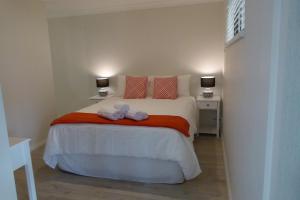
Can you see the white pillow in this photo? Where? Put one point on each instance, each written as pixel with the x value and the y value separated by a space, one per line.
pixel 183 85
pixel 121 83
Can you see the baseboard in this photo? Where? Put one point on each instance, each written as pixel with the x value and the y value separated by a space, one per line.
pixel 227 171
pixel 36 145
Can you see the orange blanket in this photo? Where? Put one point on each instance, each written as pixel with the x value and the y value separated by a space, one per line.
pixel 175 122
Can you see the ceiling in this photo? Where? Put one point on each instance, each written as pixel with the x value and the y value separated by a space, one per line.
pixel 64 8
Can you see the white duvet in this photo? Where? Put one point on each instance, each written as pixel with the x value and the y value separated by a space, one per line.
pixel 140 142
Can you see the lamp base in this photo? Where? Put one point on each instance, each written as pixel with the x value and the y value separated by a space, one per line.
pixel 102 93
pixel 208 94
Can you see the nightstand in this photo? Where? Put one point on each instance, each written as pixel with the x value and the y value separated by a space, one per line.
pixel 213 104
pixel 98 98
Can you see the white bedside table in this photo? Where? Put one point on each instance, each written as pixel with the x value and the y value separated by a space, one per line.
pixel 98 98
pixel 212 103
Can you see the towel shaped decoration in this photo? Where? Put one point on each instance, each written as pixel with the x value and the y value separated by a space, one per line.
pixel 111 113
pixel 136 115
pixel 122 110
pixel 122 107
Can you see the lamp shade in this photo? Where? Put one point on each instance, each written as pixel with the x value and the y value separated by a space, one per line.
pixel 208 81
pixel 102 82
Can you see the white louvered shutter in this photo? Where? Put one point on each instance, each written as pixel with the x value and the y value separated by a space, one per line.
pixel 235 19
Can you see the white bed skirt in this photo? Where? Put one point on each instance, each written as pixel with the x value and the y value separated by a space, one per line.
pixel 122 168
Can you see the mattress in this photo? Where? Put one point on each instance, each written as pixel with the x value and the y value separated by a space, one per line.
pixel 117 141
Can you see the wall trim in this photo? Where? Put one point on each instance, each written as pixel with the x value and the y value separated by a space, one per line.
pixel 120 7
pixel 228 181
pixel 36 145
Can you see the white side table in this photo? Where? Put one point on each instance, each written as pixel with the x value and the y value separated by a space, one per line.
pixel 20 156
pixel 210 103
pixel 98 98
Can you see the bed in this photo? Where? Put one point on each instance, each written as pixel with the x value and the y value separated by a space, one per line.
pixel 133 153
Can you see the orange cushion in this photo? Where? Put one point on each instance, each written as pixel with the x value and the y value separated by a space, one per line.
pixel 165 88
pixel 136 87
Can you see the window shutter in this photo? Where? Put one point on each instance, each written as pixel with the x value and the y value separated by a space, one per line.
pixel 235 19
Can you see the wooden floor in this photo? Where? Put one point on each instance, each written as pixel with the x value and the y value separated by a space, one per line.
pixel 55 184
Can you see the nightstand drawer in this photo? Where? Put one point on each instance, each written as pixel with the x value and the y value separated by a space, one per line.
pixel 207 105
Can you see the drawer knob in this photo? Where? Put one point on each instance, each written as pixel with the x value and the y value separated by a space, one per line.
pixel 207 105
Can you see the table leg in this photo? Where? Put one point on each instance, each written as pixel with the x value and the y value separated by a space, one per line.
pixel 29 174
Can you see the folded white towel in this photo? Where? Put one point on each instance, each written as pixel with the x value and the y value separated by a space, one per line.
pixel 122 107
pixel 136 115
pixel 120 110
pixel 112 116
pixel 111 113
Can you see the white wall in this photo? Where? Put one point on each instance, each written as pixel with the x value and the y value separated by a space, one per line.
pixel 246 92
pixel 177 40
pixel 25 68
pixel 285 176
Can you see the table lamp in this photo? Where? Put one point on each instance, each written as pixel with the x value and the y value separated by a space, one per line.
pixel 102 84
pixel 208 82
